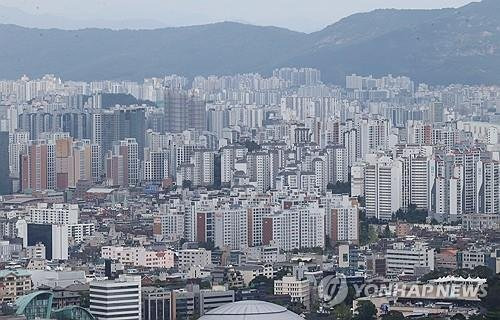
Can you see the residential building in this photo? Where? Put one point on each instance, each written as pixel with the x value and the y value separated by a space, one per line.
pixel 14 284
pixel 298 290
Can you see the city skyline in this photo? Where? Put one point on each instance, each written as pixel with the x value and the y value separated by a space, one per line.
pixel 231 171
pixel 203 187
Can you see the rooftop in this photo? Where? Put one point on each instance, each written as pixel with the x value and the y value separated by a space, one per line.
pixel 250 310
pixel 17 272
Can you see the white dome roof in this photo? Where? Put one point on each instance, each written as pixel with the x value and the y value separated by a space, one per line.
pixel 250 310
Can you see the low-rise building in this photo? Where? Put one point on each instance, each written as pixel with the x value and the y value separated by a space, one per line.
pixel 184 304
pixel 14 284
pixel 156 303
pixel 481 221
pixel 78 232
pixel 56 278
pixel 446 258
pixel 8 250
pixel 197 257
pixel 471 258
pixel 139 256
pixel 251 271
pixel 298 290
pixel 405 257
pixel 211 299
pixel 36 252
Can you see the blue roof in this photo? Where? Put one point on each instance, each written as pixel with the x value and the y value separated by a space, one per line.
pixel 23 302
pixel 17 272
pixel 71 313
pixel 23 305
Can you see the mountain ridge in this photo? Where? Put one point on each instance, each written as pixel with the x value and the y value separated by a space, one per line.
pixel 10 15
pixel 435 46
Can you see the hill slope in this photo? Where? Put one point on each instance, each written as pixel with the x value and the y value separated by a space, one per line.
pixel 461 45
pixel 126 54
pixel 435 46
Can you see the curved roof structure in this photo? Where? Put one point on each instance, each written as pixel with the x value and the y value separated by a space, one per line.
pixel 250 310
pixel 35 305
pixel 38 305
pixel 72 312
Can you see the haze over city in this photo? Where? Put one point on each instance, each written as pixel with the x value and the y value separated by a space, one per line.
pixel 299 15
pixel 249 160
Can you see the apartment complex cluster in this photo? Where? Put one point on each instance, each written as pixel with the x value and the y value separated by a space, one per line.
pixel 168 198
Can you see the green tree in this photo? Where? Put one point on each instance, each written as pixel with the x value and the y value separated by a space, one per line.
pixel 342 312
pixel 372 234
pixel 365 310
pixel 361 201
pixel 187 184
pixel 481 272
pixel 458 316
pixel 367 234
pixel 205 285
pixel 351 295
pixel 252 146
pixel 263 284
pixel 209 245
pixel 340 187
pixel 477 317
pixel 490 301
pixel 433 275
pixel 328 244
pixel 393 315
pixel 386 234
pixel 280 274
pixel 85 299
pixel 412 214
pixel 297 307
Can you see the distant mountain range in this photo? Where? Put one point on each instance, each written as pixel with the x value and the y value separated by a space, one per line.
pixel 434 46
pixel 19 17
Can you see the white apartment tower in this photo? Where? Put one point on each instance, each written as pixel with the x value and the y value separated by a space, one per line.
pixel 419 174
pixel 343 220
pixel 132 160
pixel 231 228
pixel 295 228
pixel 358 180
pixel 55 214
pixel 228 159
pixel 320 174
pixel 229 156
pixel 373 135
pixel 203 161
pixel 259 167
pixel 459 181
pixel 490 202
pixel 337 164
pixel 155 165
pixel 383 188
pixel 312 226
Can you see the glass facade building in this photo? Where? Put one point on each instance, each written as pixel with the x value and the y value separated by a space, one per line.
pixel 38 305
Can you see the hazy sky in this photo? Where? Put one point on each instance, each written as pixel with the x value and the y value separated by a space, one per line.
pixel 303 15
